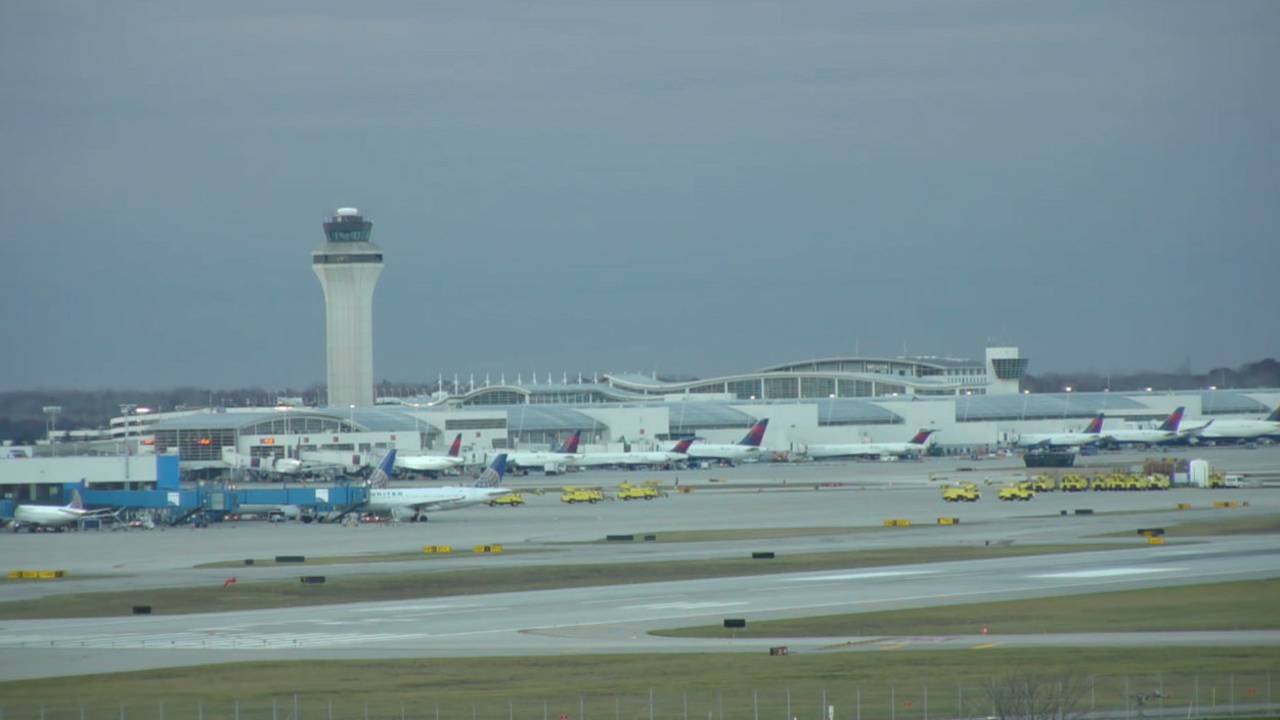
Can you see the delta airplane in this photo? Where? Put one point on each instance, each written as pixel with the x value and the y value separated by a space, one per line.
pixel 915 446
pixel 1167 432
pixel 56 516
pixel 432 464
pixel 1092 434
pixel 413 503
pixel 1226 430
pixel 552 462
pixel 748 448
pixel 679 453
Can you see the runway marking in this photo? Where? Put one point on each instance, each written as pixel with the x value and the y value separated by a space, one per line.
pixel 858 576
pixel 1108 572
pixel 984 646
pixel 893 646
pixel 413 607
pixel 634 599
pixel 682 605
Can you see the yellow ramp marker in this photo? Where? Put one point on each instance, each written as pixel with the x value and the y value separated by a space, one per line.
pixel 984 646
pixel 893 646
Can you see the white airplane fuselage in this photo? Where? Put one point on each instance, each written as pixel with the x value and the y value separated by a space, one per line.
pixel 551 462
pixel 1227 429
pixel 1032 440
pixel 48 515
pixel 420 499
pixel 427 463
pixel 657 457
pixel 710 451
pixel 864 450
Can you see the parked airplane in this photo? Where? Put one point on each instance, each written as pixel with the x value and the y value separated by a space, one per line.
pixel 1092 434
pixel 56 516
pixel 293 464
pixel 650 458
pixel 1166 433
pixel 552 462
pixel 1229 430
pixel 915 446
pixel 433 464
pixel 748 448
pixel 413 503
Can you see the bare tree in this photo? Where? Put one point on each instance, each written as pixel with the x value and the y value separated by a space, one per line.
pixel 1032 696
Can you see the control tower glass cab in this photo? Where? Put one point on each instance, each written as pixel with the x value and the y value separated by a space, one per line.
pixel 348 266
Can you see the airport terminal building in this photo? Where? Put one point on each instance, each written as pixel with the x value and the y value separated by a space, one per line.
pixel 971 406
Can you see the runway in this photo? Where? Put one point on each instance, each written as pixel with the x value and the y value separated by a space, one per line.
pixel 616 619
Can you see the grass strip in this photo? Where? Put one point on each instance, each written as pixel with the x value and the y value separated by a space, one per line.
pixel 1248 525
pixel 356 559
pixel 1252 606
pixel 608 686
pixel 441 583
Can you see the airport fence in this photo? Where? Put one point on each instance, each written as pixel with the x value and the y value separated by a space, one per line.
pixel 1130 697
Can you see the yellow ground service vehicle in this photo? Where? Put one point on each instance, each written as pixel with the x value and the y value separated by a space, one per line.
pixel 573 495
pixel 1014 492
pixel 627 491
pixel 960 494
pixel 1073 483
pixel 1156 481
pixel 512 500
pixel 1044 483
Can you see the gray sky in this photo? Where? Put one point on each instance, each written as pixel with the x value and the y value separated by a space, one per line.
pixel 693 187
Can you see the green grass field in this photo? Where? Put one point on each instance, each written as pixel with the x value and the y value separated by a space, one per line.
pixel 357 559
pixel 246 595
pixel 941 684
pixel 1247 525
pixel 1250 605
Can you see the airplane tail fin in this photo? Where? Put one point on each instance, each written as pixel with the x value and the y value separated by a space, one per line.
pixel 381 476
pixel 682 447
pixel 492 476
pixel 456 447
pixel 570 446
pixel 1275 415
pixel 1174 420
pixel 921 437
pixel 77 503
pixel 1095 427
pixel 756 435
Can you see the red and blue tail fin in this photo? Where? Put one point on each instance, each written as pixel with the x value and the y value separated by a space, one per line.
pixel 1174 420
pixel 682 447
pixel 756 435
pixel 921 437
pixel 492 476
pixel 456 447
pixel 1095 427
pixel 381 476
pixel 570 446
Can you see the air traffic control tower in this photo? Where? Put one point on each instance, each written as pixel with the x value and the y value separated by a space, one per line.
pixel 348 266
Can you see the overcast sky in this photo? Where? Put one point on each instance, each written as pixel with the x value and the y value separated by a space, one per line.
pixel 696 188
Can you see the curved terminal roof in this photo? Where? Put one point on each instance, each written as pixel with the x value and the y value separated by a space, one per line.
pixel 535 418
pixel 1222 402
pixel 242 421
pixel 825 364
pixel 971 408
pixel 687 416
pixel 607 393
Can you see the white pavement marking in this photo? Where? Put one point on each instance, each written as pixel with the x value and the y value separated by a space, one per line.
pixel 857 576
pixel 682 605
pixel 1109 572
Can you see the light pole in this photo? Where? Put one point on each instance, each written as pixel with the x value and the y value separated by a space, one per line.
pixel 125 410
